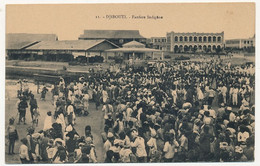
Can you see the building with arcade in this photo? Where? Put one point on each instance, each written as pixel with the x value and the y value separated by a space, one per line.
pixel 194 42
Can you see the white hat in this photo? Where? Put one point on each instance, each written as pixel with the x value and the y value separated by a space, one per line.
pixel 153 133
pixel 223 145
pixel 36 135
pixel 134 133
pixel 110 135
pixel 68 128
pixel 117 141
pixel 229 108
pixel 152 103
pixel 88 139
pixel 238 149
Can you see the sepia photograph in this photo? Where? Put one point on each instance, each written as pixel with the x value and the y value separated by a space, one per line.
pixel 130 83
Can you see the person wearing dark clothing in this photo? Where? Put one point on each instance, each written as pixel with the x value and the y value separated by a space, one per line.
pixel 43 93
pixel 88 132
pixel 12 136
pixel 33 105
pixel 85 158
pixel 71 142
pixel 110 156
pixel 71 145
pixel 205 140
pixel 22 110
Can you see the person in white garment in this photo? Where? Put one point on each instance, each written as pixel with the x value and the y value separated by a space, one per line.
pixel 47 122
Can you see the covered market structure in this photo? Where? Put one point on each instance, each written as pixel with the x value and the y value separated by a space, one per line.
pixel 135 51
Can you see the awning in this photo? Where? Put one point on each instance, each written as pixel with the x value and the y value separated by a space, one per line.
pixel 77 54
pixel 133 50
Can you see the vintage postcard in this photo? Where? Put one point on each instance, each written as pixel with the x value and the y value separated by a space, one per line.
pixel 130 83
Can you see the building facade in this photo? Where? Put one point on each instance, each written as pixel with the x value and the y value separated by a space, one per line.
pixel 63 51
pixel 240 43
pixel 157 43
pixel 194 42
pixel 118 37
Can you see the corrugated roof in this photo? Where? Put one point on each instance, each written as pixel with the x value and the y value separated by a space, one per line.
pixel 21 40
pixel 66 45
pixel 111 34
pixel 134 44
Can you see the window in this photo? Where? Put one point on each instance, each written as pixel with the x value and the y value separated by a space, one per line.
pixel 190 38
pixel 155 40
pixel 219 39
pixel 195 38
pixel 181 38
pixel 204 39
pixel 168 39
pixel 214 38
pixel 244 42
pixel 176 38
pixel 247 42
pixel 209 39
pixel 200 39
pixel 185 38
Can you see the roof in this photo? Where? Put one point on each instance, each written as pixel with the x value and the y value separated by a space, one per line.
pixel 67 45
pixel 133 50
pixel 134 44
pixel 22 40
pixel 111 34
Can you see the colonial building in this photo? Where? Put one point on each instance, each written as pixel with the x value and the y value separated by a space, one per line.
pixel 194 42
pixel 118 37
pixel 240 43
pixel 157 43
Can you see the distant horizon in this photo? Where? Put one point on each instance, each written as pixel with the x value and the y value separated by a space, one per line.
pixel 129 30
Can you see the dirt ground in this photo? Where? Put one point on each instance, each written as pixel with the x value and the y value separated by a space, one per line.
pixel 94 119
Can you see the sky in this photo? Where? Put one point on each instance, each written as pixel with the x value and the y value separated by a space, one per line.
pixel 237 20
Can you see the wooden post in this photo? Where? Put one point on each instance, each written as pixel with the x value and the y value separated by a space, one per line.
pixel 162 55
pixel 85 56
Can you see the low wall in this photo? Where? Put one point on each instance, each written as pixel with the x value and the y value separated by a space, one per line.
pixel 41 74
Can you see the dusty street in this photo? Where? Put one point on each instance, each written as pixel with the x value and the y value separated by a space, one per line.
pixel 94 119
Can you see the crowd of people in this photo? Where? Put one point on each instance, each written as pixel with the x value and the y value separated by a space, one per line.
pixel 167 112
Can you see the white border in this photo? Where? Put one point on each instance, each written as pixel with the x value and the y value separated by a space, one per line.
pixel 2 67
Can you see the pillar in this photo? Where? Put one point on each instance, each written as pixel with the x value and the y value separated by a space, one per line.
pixel 162 55
pixel 86 56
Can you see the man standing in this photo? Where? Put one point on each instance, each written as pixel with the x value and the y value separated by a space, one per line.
pixel 224 94
pixel 139 144
pixel 234 96
pixel 22 105
pixel 211 94
pixel 43 93
pixel 33 105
